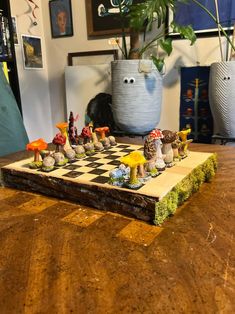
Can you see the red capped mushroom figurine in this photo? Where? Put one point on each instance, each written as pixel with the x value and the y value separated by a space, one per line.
pixel 86 134
pixel 59 140
pixel 157 135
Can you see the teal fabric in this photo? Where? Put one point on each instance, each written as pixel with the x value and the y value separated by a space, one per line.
pixel 13 136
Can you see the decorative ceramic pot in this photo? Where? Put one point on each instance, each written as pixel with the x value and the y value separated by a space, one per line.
pixel 222 97
pixel 136 95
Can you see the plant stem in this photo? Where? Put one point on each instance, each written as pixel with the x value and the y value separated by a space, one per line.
pixel 149 44
pixel 219 32
pixel 124 50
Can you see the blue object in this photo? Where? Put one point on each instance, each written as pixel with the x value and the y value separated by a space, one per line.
pixel 191 13
pixel 13 136
pixel 195 112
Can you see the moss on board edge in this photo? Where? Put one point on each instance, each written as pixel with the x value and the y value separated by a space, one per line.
pixel 183 190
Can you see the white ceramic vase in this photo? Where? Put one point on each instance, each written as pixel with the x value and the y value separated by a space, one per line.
pixel 222 97
pixel 136 95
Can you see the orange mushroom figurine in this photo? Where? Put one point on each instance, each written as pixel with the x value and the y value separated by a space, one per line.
pixel 36 147
pixel 102 131
pixel 63 130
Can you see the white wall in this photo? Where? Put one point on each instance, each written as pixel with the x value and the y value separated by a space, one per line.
pixel 57 51
pixel 43 92
pixel 204 52
pixel 33 83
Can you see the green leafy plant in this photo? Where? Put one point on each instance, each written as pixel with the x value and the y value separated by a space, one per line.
pixel 139 18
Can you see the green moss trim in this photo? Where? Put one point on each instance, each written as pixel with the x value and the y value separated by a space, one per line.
pixel 183 190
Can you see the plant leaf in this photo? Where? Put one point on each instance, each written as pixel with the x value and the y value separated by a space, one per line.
pixel 144 13
pixel 166 45
pixel 186 32
pixel 158 62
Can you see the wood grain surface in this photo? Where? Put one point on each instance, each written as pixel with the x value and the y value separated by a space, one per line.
pixel 61 257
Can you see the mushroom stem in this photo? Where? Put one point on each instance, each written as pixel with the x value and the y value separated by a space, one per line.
pixel 64 133
pixel 133 173
pixel 102 134
pixel 94 137
pixel 168 152
pixel 36 155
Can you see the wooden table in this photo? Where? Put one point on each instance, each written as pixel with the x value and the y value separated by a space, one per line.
pixel 60 257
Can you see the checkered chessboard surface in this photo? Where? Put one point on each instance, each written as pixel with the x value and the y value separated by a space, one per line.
pixel 95 168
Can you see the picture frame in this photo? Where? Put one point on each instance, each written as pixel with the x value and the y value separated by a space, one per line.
pixel 101 16
pixel 32 52
pixel 104 54
pixel 203 25
pixel 15 30
pixel 61 18
pixel 88 73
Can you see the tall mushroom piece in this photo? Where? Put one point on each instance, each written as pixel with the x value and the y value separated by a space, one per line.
pixel 59 141
pixel 157 135
pixel 36 146
pixel 168 139
pixel 63 130
pixel 133 160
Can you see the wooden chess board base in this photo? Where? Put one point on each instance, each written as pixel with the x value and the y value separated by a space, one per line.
pixel 142 204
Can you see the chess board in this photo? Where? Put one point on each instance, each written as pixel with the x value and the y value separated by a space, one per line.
pixel 87 181
pixel 90 169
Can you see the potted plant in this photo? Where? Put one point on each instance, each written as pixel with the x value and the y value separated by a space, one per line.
pixel 221 84
pixel 137 82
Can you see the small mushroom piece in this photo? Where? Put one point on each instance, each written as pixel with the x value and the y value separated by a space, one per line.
pixel 86 134
pixel 36 146
pixel 89 148
pixel 98 146
pixel 48 163
pixel 112 140
pixel 106 142
pixel 157 135
pixel 167 140
pixel 70 154
pixel 184 141
pixel 80 151
pixel 60 159
pixel 102 131
pixel 59 140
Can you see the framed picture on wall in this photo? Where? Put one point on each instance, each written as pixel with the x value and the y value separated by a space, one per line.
pixel 202 23
pixel 32 52
pixel 61 18
pixel 103 17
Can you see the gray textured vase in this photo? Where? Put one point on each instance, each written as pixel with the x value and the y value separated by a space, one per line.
pixel 136 95
pixel 222 97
